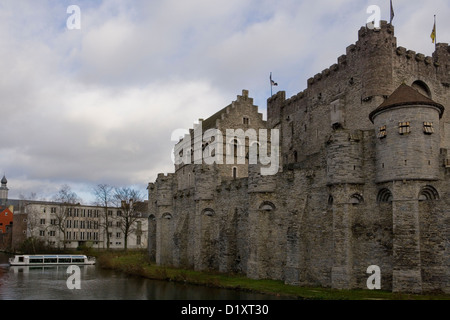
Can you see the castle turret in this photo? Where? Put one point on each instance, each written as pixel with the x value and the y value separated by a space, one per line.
pixel 407 127
pixel 377 47
pixel 4 191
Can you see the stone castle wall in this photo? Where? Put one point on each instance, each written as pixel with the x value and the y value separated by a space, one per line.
pixel 340 202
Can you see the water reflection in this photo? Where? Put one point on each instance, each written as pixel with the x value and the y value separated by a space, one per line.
pixel 50 283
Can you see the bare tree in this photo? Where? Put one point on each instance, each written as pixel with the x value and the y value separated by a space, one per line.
pixel 128 200
pixel 33 222
pixel 104 195
pixel 67 199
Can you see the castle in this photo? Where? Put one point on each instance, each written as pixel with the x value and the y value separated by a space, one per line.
pixel 363 179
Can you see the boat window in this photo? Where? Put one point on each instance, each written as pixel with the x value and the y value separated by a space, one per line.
pixel 65 260
pixel 78 260
pixel 20 259
pixel 36 260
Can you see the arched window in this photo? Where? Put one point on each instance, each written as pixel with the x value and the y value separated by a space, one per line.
pixel 235 147
pixel 253 152
pixel 267 206
pixel 208 212
pixel 422 88
pixel 330 201
pixel 234 173
pixel 428 193
pixel 384 196
pixel 356 199
pixel 167 216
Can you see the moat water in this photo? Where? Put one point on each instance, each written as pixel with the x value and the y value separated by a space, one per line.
pixel 51 283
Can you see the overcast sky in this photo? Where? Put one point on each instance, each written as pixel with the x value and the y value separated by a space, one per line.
pixel 99 104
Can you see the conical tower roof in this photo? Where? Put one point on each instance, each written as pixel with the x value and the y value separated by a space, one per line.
pixel 4 181
pixel 404 96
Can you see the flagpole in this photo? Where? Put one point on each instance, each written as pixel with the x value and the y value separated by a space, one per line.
pixel 271 85
pixel 435 34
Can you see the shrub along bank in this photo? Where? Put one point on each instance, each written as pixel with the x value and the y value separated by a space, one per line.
pixel 137 263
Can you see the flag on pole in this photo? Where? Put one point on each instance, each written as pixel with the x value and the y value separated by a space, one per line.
pixel 392 12
pixel 433 33
pixel 272 83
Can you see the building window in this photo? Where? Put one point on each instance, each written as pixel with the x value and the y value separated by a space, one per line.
pixel 234 172
pixel 382 132
pixel 428 128
pixel 267 206
pixel 53 210
pixel 42 221
pixel 246 120
pixel 428 193
pixel 356 199
pixel 384 196
pixel 118 235
pixel 138 240
pixel 404 128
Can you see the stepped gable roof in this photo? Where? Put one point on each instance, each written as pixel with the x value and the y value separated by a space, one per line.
pixel 403 96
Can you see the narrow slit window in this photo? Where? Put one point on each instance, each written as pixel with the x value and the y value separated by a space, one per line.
pixel 428 128
pixel 382 132
pixel 404 127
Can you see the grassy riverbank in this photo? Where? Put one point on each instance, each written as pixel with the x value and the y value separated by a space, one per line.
pixel 137 263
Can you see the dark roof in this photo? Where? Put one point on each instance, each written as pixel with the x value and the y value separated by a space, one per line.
pixel 403 96
pixel 210 123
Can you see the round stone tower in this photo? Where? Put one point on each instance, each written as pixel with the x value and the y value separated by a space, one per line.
pixel 407 155
pixel 407 128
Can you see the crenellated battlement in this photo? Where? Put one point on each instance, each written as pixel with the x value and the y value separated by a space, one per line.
pixel 353 56
pixel 296 98
pixel 366 38
pixel 410 55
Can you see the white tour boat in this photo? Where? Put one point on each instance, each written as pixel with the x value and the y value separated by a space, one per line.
pixel 40 260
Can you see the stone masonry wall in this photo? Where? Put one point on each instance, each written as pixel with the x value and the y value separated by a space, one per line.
pixel 333 210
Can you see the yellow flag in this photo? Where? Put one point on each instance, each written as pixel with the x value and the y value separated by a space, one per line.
pixel 433 33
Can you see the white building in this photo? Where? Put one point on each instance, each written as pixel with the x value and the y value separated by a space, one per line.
pixel 72 226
